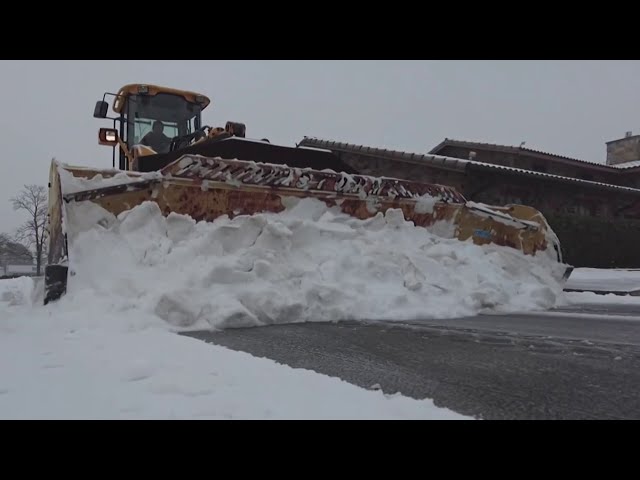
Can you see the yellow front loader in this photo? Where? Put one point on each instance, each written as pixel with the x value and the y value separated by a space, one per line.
pixel 165 155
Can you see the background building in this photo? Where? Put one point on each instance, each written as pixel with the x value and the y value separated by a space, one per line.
pixel 593 207
pixel 15 259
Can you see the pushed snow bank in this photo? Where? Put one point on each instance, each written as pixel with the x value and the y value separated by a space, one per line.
pixel 309 263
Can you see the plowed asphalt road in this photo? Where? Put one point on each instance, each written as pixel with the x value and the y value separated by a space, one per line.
pixel 577 363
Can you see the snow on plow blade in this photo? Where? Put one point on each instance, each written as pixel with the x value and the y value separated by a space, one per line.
pixel 207 188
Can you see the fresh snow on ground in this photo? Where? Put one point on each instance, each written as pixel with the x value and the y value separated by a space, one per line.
pixel 575 298
pixel 109 349
pixel 600 279
pixel 90 361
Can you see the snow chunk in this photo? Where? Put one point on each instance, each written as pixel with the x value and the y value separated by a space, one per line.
pixel 425 204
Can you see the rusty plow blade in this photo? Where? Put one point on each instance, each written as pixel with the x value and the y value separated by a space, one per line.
pixel 207 188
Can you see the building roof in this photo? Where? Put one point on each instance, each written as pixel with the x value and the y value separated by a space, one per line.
pixel 625 165
pixel 457 164
pixel 440 161
pixel 538 153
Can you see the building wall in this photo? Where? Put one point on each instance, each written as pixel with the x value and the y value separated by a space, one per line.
pixel 623 150
pixel 592 228
pixel 597 242
pixel 17 270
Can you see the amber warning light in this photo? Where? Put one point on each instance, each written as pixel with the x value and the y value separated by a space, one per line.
pixel 108 136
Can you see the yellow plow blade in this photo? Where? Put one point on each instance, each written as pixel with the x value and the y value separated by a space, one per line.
pixel 207 188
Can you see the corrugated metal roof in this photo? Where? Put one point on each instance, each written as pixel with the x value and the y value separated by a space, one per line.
pixel 623 166
pixel 440 161
pixel 513 149
pixel 531 173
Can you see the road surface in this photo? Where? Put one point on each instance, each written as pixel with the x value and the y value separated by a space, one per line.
pixel 572 364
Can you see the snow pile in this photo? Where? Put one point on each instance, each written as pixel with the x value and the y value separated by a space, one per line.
pixel 17 291
pixel 309 263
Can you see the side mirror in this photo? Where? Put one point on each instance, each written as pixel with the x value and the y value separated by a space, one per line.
pixel 108 136
pixel 101 109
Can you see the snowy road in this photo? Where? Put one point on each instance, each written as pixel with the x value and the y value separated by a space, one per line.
pixel 576 364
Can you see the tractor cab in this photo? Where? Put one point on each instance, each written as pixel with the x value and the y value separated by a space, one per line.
pixel 176 114
pixel 156 125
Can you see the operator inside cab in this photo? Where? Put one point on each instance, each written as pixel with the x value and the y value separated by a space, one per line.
pixel 156 138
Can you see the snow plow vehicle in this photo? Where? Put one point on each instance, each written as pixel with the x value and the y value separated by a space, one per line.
pixel 164 154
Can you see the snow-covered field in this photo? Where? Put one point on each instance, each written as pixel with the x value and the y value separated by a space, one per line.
pixel 108 349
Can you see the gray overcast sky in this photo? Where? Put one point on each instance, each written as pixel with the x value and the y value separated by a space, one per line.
pixel 565 107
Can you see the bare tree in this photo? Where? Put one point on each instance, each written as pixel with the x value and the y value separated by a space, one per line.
pixel 4 242
pixel 33 232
